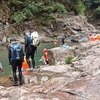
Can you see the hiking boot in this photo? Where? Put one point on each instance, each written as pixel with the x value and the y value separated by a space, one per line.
pixel 15 84
pixel 20 83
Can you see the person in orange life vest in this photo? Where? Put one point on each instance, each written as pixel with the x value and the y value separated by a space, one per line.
pixel 45 56
pixel 91 37
pixel 97 36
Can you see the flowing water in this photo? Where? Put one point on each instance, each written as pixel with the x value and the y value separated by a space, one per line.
pixel 4 57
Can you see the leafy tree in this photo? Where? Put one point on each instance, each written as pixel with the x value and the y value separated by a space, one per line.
pixel 93 8
pixel 92 3
pixel 42 10
pixel 21 10
pixel 79 6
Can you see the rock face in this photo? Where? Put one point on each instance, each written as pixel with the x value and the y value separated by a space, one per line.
pixel 76 28
pixel 79 80
pixel 58 55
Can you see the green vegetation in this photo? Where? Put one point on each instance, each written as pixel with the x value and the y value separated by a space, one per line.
pixel 68 59
pixel 93 8
pixel 80 7
pixel 97 13
pixel 43 10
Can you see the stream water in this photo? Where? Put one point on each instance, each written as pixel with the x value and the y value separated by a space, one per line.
pixel 4 57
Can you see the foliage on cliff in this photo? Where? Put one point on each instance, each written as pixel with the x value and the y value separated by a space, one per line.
pixel 21 10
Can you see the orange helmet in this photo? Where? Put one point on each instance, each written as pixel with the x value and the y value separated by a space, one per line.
pixel 44 50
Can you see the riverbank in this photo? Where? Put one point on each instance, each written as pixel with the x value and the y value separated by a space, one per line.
pixel 75 81
pixel 4 57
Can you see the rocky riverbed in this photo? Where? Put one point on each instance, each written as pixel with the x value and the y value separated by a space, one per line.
pixel 60 81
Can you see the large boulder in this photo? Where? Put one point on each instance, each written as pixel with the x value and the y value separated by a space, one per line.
pixel 58 55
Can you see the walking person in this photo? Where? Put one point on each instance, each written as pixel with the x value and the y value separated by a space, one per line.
pixel 29 49
pixel 15 56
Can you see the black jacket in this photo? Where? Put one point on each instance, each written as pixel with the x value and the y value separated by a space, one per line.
pixel 28 47
pixel 11 54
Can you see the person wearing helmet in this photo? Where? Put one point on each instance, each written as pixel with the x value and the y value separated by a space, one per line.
pixel 44 50
pixel 44 57
pixel 45 54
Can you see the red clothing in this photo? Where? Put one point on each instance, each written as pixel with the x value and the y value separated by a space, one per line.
pixel 91 38
pixel 45 56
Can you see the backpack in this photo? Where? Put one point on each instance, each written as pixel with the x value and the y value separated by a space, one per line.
pixel 35 39
pixel 16 52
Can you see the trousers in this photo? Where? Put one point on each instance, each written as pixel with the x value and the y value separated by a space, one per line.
pixel 17 64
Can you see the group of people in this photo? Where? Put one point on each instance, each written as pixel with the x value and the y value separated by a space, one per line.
pixel 94 37
pixel 17 55
pixel 64 42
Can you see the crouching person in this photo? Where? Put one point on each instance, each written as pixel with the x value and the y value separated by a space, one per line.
pixel 44 57
pixel 16 55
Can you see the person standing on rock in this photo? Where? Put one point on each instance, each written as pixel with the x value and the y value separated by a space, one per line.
pixel 16 56
pixel 29 49
pixel 63 39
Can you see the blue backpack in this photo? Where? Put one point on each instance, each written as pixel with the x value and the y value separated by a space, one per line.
pixel 16 52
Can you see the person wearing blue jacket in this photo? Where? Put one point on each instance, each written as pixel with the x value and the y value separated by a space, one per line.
pixel 63 39
pixel 29 49
pixel 16 56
